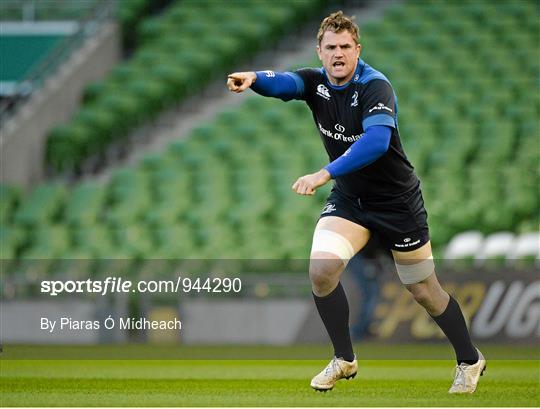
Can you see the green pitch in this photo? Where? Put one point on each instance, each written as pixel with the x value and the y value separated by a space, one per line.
pixel 30 382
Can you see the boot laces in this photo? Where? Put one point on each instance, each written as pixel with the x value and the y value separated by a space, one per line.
pixel 332 367
pixel 460 376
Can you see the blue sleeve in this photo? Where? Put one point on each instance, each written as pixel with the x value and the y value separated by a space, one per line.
pixel 370 147
pixel 379 119
pixel 283 85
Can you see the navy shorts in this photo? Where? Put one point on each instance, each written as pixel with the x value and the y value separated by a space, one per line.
pixel 399 222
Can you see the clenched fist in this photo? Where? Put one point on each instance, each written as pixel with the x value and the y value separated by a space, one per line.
pixel 240 81
pixel 308 184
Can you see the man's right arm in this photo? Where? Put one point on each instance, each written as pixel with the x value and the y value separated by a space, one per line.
pixel 283 85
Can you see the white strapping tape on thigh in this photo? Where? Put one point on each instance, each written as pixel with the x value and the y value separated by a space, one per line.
pixel 414 273
pixel 332 242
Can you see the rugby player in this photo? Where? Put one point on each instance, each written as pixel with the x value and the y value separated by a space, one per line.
pixel 375 190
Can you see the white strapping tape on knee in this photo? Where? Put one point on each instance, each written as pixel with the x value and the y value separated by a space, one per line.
pixel 332 242
pixel 414 273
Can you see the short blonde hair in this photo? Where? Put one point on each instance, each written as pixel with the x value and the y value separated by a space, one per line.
pixel 337 22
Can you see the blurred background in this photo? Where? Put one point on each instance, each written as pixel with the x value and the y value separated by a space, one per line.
pixel 122 153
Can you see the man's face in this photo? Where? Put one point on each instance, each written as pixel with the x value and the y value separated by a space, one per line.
pixel 339 53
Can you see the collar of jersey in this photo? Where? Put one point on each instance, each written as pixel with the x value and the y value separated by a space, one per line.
pixel 356 77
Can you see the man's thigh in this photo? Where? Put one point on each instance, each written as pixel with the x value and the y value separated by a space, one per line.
pixel 356 235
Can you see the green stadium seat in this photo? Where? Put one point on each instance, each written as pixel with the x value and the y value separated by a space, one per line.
pixel 135 241
pixel 95 240
pixel 103 123
pixel 97 89
pixel 126 108
pixel 41 206
pixel 54 240
pixel 12 239
pixel 165 213
pixel 176 240
pixel 69 145
pixel 85 204
pixel 175 78
pixel 9 199
pixel 151 96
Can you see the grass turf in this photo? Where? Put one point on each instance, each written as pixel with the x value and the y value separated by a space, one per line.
pixel 257 383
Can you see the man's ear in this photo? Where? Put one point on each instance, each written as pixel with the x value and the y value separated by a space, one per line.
pixel 319 52
pixel 359 48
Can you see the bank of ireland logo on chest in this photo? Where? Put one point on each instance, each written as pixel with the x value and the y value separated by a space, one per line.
pixel 339 135
pixel 322 91
pixel 340 128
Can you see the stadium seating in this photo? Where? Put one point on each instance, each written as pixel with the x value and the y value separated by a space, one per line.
pixel 168 66
pixel 526 248
pixel 468 124
pixel 464 245
pixel 473 248
pixel 496 247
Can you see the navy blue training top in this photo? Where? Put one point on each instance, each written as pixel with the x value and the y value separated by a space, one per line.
pixel 342 114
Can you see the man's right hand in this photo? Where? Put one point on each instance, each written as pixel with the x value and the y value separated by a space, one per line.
pixel 240 81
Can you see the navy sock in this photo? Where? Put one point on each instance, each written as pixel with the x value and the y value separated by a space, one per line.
pixel 452 323
pixel 334 311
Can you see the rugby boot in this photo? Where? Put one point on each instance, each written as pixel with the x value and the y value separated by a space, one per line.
pixel 467 376
pixel 337 369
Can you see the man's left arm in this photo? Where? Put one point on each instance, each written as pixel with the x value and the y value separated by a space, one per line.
pixel 370 147
pixel 378 119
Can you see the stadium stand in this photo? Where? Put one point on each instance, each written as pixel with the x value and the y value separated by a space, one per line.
pixel 468 122
pixel 168 66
